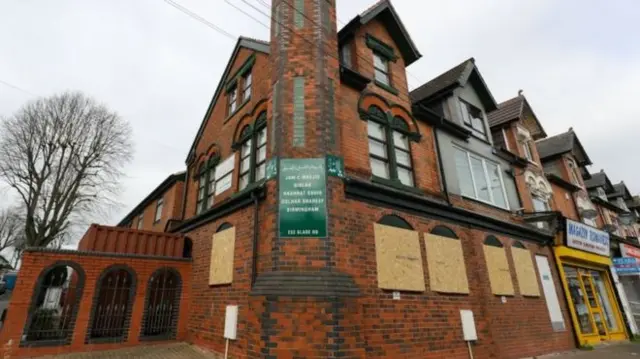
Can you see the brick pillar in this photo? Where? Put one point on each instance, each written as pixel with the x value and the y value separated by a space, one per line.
pixel 302 304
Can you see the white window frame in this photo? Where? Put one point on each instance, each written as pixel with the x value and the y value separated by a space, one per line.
pixel 527 150
pixel 575 175
pixel 386 71
pixel 467 120
pixel 159 210
pixel 506 139
pixel 246 90
pixel 486 174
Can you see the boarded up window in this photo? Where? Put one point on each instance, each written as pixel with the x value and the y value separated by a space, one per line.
pixel 222 251
pixel 525 272
pixel 498 267
pixel 445 261
pixel 398 258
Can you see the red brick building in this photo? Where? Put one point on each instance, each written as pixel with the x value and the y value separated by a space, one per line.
pixel 320 197
pixel 313 93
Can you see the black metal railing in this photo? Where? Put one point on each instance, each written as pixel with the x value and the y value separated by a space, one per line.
pixel 161 309
pixel 56 300
pixel 113 304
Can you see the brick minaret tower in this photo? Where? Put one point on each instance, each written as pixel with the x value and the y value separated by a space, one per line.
pixel 305 305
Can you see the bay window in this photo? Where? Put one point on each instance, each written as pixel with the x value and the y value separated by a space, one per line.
pixel 480 179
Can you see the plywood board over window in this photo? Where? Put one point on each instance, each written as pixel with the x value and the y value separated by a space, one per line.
pixel 525 272
pixel 222 251
pixel 445 260
pixel 398 259
pixel 498 267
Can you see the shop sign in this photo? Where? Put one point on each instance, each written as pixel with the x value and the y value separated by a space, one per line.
pixel 586 238
pixel 302 198
pixel 626 265
pixel 629 251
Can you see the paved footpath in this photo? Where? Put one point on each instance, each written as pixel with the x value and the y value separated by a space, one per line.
pixel 611 351
pixel 168 351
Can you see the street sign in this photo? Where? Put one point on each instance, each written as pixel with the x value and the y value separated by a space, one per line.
pixel 303 198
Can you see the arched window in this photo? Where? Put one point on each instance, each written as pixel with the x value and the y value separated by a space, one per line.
pixel 162 303
pixel 206 184
pixel 444 231
pixel 53 310
pixel 112 305
pixel 493 241
pixel 253 152
pixel 518 244
pixel 224 226
pixel 389 148
pixel 395 221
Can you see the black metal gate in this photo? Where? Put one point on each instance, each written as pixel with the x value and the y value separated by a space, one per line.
pixel 161 311
pixel 54 306
pixel 113 305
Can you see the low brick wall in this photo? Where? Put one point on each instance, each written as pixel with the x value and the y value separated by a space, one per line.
pixel 34 262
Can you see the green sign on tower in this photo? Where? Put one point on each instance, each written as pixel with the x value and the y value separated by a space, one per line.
pixel 303 198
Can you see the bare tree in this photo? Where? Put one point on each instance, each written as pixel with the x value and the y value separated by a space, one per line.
pixel 11 229
pixel 63 155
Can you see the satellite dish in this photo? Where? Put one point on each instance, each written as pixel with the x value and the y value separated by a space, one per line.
pixel 589 213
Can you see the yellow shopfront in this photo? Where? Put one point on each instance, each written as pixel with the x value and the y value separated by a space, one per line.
pixel 586 280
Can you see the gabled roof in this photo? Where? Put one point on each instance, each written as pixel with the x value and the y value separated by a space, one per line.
pixel 457 76
pixel 513 110
pixel 161 189
pixel 599 179
pixel 243 42
pixel 385 12
pixel 620 190
pixel 634 202
pixel 563 143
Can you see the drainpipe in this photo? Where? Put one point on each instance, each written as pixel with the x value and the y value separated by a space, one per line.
pixel 439 155
pixel 440 163
pixel 254 260
pixel 184 193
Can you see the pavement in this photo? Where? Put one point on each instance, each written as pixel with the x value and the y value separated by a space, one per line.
pixel 167 351
pixel 184 351
pixel 603 351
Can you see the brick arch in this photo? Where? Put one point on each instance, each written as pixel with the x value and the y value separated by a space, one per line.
pixel 39 289
pixel 129 303
pixel 393 220
pixel 246 121
pixel 368 99
pixel 171 332
pixel 260 107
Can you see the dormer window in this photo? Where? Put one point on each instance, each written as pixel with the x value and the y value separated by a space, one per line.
pixel 574 173
pixel 601 193
pixel 473 118
pixel 345 56
pixel 526 149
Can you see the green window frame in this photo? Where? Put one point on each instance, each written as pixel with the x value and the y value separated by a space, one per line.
pixel 206 185
pixel 389 141
pixel 252 145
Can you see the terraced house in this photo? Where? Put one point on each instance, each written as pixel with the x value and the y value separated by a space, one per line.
pixel 327 211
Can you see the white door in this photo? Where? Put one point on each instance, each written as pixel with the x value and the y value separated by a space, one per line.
pixel 550 295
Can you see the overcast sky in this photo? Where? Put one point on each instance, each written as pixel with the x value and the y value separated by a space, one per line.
pixel 577 61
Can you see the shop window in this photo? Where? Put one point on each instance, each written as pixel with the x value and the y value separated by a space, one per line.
pixel 497 266
pixel 445 260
